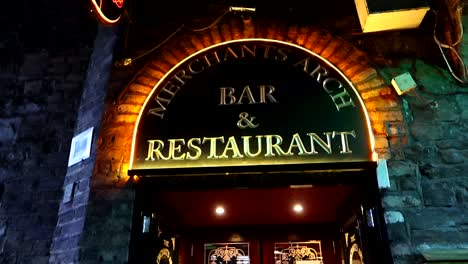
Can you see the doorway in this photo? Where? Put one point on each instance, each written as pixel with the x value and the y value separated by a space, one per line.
pixel 254 219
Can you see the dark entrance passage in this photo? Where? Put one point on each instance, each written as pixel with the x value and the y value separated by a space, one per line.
pixel 256 218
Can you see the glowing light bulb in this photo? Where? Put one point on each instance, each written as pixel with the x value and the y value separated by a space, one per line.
pixel 298 208
pixel 219 210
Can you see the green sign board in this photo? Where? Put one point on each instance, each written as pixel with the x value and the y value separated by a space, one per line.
pixel 251 103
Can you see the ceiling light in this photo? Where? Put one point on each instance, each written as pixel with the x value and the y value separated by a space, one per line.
pixel 219 210
pixel 298 208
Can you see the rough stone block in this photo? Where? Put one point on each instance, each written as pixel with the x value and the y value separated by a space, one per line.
pixel 425 131
pixel 139 88
pixel 40 248
pixel 447 237
pixel 6 173
pixel 402 168
pixel 33 87
pixel 401 249
pixel 458 143
pixel 398 233
pixel 9 129
pixel 34 65
pixel 395 129
pixel 422 153
pixel 446 110
pixel 462 101
pixel 129 108
pixel 73 228
pixel 464 114
pixel 402 200
pixel 66 217
pixel 452 156
pixel 408 183
pixel 393 217
pixel 433 218
pixel 29 108
pixel 438 194
pixel 381 142
pixel 461 190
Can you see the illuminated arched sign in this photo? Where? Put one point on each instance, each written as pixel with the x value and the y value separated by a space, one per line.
pixel 251 102
pixel 108 11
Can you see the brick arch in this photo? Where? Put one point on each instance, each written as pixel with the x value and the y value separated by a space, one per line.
pixel 380 100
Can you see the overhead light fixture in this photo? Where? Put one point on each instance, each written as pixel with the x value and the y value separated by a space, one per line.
pixel 301 186
pixel 219 210
pixel 390 15
pixel 242 9
pixel 298 208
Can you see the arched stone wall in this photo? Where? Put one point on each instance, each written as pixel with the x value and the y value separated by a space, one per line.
pixel 379 98
pixel 110 202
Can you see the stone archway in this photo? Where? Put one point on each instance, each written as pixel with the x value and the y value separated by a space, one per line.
pixel 115 140
pixel 380 100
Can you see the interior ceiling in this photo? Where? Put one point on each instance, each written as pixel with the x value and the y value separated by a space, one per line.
pixel 253 206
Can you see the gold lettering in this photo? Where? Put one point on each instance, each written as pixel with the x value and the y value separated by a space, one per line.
pixel 190 67
pixel 156 111
pixel 170 89
pixel 213 140
pixel 266 54
pixel 296 142
pixel 154 148
pixel 231 145
pixel 343 98
pixel 246 143
pixel 319 72
pixel 284 56
pixel 314 138
pixel 269 95
pixel 344 140
pixel 329 89
pixel 227 92
pixel 173 148
pixel 270 146
pixel 215 57
pixel 305 63
pixel 246 93
pixel 245 48
pixel 181 75
pixel 230 53
pixel 191 146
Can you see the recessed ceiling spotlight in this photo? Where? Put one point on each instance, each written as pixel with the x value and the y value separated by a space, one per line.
pixel 298 208
pixel 219 210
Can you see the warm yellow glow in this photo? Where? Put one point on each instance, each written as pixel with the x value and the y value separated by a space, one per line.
pixel 389 20
pixel 298 208
pixel 101 14
pixel 157 87
pixel 219 210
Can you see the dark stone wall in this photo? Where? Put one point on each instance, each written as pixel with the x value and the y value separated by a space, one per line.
pixel 72 214
pixel 44 52
pixel 427 204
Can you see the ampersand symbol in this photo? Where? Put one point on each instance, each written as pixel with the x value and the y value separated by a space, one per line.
pixel 245 121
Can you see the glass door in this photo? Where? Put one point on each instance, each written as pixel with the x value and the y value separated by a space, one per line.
pixel 309 252
pixel 227 253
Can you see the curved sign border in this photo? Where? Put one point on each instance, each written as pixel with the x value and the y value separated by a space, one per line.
pixel 266 41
